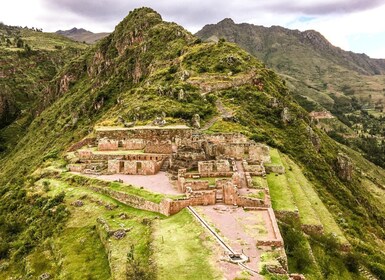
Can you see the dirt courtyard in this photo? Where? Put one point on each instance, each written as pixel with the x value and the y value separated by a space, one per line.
pixel 240 229
pixel 158 183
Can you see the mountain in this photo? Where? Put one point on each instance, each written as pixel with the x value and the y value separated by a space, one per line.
pixel 321 77
pixel 82 35
pixel 29 60
pixel 58 224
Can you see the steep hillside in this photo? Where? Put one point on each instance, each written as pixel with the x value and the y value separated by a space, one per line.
pixel 29 60
pixel 149 68
pixel 82 35
pixel 321 77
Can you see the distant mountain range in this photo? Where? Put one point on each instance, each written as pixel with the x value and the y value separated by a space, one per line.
pixel 82 35
pixel 312 66
pixel 320 76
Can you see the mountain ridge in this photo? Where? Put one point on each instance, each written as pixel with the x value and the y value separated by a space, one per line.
pixel 82 35
pixel 371 66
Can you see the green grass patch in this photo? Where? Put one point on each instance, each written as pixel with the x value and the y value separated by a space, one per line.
pixel 304 190
pixel 180 249
pixel 275 157
pixel 281 196
pixel 259 182
pixel 307 214
pixel 82 254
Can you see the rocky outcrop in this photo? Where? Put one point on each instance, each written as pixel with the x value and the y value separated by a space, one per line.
pixel 196 121
pixel 344 167
pixel 286 116
pixel 314 138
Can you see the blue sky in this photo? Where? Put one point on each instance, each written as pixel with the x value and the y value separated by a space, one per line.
pixel 356 25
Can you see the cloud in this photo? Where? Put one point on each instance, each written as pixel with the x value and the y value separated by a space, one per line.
pixel 337 20
pixel 325 7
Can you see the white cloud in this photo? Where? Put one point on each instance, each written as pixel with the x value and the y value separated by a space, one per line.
pixel 338 20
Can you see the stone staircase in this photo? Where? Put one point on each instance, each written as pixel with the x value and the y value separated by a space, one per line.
pixel 165 165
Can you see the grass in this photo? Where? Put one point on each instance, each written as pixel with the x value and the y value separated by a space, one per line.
pixel 304 190
pixel 275 157
pixel 192 258
pixel 259 182
pixel 306 212
pixel 281 196
pixel 80 232
pixel 82 254
pixel 259 194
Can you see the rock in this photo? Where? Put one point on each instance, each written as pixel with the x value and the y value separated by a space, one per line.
pixel 119 234
pixel 111 206
pixel 78 203
pixel 344 167
pixel 124 216
pixel 314 138
pixel 126 124
pixel 286 116
pixel 295 276
pixel 159 121
pixel 185 75
pixel 45 276
pixel 196 121
pixel 181 94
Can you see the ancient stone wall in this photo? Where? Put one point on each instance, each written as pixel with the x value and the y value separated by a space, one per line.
pixel 259 153
pixel 82 143
pixel 105 144
pixel 145 133
pixel 245 201
pixel 170 207
pixel 279 169
pixel 132 200
pixel 113 166
pixel 158 148
pixel 226 138
pixel 84 154
pixel 76 167
pixel 208 168
pixel 133 144
pixel 230 192
pixel 196 185
pixel 254 169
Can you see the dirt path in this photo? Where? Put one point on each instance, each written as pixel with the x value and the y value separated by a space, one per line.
pixel 241 172
pixel 224 112
pixel 241 230
pixel 158 183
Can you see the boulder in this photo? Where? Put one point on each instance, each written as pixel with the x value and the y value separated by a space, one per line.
pixel 344 167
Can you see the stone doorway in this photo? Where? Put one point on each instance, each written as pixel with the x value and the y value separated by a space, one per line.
pixel 219 195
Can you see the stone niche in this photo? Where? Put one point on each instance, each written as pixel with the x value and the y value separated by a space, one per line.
pixel 134 167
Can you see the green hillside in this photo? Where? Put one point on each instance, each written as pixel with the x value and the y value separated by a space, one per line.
pixel 321 76
pixel 29 60
pixel 148 68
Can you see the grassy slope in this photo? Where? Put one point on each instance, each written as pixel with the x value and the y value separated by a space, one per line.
pixel 25 75
pixel 181 252
pixel 320 76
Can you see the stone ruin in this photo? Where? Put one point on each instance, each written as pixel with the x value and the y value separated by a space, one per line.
pixel 189 156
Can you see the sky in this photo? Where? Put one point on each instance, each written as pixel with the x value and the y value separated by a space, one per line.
pixel 354 25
